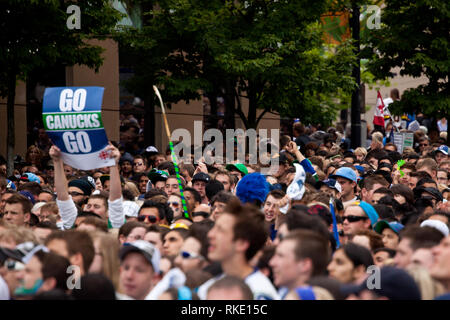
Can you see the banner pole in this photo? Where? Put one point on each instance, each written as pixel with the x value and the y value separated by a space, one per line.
pixel 177 170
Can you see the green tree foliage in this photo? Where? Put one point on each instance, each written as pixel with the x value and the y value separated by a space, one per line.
pixel 268 52
pixel 34 36
pixel 414 36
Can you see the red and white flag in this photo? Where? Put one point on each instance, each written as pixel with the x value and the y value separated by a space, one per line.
pixel 378 117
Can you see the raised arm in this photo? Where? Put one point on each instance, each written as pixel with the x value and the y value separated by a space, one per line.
pixel 115 202
pixel 67 209
pixel 60 177
pixel 115 189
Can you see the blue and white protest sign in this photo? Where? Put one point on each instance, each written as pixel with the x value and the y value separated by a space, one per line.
pixel 73 121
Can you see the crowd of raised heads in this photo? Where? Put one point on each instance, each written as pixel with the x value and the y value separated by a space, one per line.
pixel 328 223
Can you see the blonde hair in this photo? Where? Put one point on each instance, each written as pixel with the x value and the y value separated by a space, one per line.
pixel 361 150
pixel 108 247
pixel 18 235
pixel 319 292
pixel 132 187
pixel 429 288
pixel 378 136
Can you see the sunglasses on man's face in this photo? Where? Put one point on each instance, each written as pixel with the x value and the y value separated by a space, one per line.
pixel 151 219
pixel 174 204
pixel 353 218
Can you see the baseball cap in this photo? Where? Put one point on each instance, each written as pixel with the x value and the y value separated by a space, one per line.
pixel 148 250
pixel 237 166
pixel 346 173
pixel 360 169
pixel 130 208
pixel 156 175
pixel 6 253
pixel 28 195
pixel 151 149
pixel 443 149
pixel 31 177
pixel 395 284
pixel 330 183
pixel 126 157
pixel 201 176
pixel 369 210
pixel 82 184
pixel 383 224
pixel 321 211
pixel 418 192
pixel 438 225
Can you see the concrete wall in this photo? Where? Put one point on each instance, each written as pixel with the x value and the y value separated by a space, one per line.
pixel 20 112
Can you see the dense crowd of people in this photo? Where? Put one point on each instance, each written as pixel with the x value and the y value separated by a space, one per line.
pixel 329 223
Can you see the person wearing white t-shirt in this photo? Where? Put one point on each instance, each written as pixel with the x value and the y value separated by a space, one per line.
pixel 66 205
pixel 238 234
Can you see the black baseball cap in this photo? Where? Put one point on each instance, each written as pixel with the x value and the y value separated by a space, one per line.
pixel 394 284
pixel 201 176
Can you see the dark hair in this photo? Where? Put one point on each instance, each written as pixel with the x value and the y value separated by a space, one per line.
pixel 76 242
pixel 298 218
pixel 332 285
pixel 311 245
pixel 224 197
pixel 212 188
pixel 94 286
pixel 421 237
pixel 54 266
pixel 391 252
pixel 184 233
pixel 249 225
pixel 263 261
pixel 199 231
pixel 127 227
pixel 127 195
pixel 425 180
pixel 404 191
pixel 229 282
pixel 197 196
pixel 167 165
pixel 46 225
pixel 358 255
pixel 369 182
pixel 375 240
pixel 24 201
pixel 422 203
pixel 385 212
pixel 277 194
pixel 32 187
pixel 96 222
pixel 377 154
pixel 164 210
pixel 384 190
pixel 102 197
pixel 420 175
pixel 153 193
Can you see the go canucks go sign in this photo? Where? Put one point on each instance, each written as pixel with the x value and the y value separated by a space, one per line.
pixel 73 121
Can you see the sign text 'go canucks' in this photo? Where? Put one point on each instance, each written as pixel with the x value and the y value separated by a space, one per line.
pixel 73 121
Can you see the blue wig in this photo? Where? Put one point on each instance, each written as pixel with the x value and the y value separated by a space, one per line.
pixel 252 187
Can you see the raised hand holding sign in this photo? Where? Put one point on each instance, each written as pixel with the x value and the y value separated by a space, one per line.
pixel 72 119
